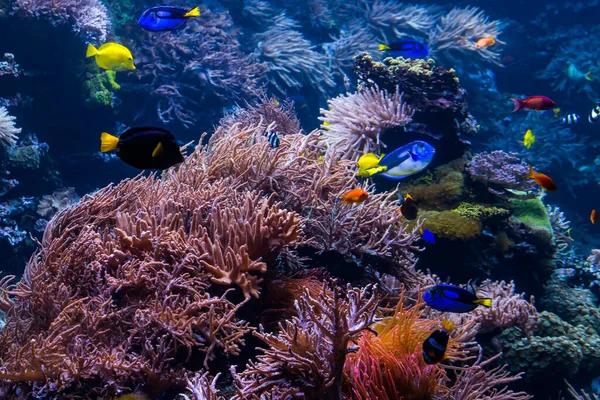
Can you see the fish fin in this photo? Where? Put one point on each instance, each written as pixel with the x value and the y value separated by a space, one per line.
pixel 91 51
pixel 517 104
pixel 408 196
pixel 447 325
pixel 383 47
pixel 194 12
pixel 108 142
pixel 589 76
pixel 483 302
pixel 158 150
pixel 531 173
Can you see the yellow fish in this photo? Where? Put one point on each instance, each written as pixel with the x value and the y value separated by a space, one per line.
pixel 529 138
pixel 556 112
pixel 368 165
pixel 111 56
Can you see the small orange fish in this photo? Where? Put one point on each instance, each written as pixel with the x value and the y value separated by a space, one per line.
pixel 355 196
pixel 594 217
pixel 543 180
pixel 485 42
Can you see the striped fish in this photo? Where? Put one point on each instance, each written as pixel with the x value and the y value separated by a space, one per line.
pixel 273 139
pixel 434 347
pixel 570 119
pixel 594 114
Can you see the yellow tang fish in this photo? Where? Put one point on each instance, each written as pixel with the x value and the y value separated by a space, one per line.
pixel 368 165
pixel 111 56
pixel 529 138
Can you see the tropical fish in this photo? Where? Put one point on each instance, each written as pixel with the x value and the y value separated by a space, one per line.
pixel 144 147
pixel 404 161
pixel 427 235
pixel 408 208
pixel 434 347
pixel 544 181
pixel 166 18
pixel 355 196
pixel 450 298
pixel 528 139
pixel 534 103
pixel 594 217
pixel 368 165
pixel 570 119
pixel 406 48
pixel 556 111
pixel 273 139
pixel 576 75
pixel 594 114
pixel 111 56
pixel 485 42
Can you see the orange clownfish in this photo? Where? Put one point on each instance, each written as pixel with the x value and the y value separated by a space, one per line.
pixel 485 42
pixel 355 196
pixel 543 180
pixel 594 217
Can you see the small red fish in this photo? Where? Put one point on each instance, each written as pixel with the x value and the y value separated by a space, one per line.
pixel 355 196
pixel 543 180
pixel 594 217
pixel 534 103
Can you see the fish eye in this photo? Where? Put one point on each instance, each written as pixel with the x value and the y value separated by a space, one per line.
pixel 130 59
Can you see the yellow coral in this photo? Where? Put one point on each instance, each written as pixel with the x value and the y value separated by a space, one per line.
pixel 446 188
pixel 480 212
pixel 451 225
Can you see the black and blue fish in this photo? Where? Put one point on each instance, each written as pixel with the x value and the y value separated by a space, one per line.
pixel 450 298
pixel 434 347
pixel 406 48
pixel 570 119
pixel 144 147
pixel 273 139
pixel 166 18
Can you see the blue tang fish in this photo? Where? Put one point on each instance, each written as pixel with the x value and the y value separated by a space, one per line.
pixel 406 48
pixel 450 298
pixel 427 235
pixel 400 163
pixel 166 18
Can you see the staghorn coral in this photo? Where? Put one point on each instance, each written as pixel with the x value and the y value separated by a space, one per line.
pixel 454 37
pixel 8 131
pixel 307 357
pixel 501 173
pixel 508 310
pixel 200 65
pixel 202 388
pixel 290 59
pixel 356 121
pixel 88 18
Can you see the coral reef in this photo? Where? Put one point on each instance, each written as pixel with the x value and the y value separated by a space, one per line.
pixel 51 204
pixel 355 122
pixel 454 37
pixel 88 18
pixel 501 173
pixel 8 131
pixel 9 66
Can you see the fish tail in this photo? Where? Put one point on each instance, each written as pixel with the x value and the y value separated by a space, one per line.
pixel 518 104
pixel 194 12
pixel 91 51
pixel 108 142
pixel 383 47
pixel 483 302
pixel 589 76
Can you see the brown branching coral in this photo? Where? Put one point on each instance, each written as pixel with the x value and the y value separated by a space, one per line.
pixel 306 358
pixel 356 121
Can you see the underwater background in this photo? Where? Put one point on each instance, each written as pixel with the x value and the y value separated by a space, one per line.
pixel 344 163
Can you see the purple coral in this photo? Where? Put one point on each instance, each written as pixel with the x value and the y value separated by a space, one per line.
pixel 500 172
pixel 88 18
